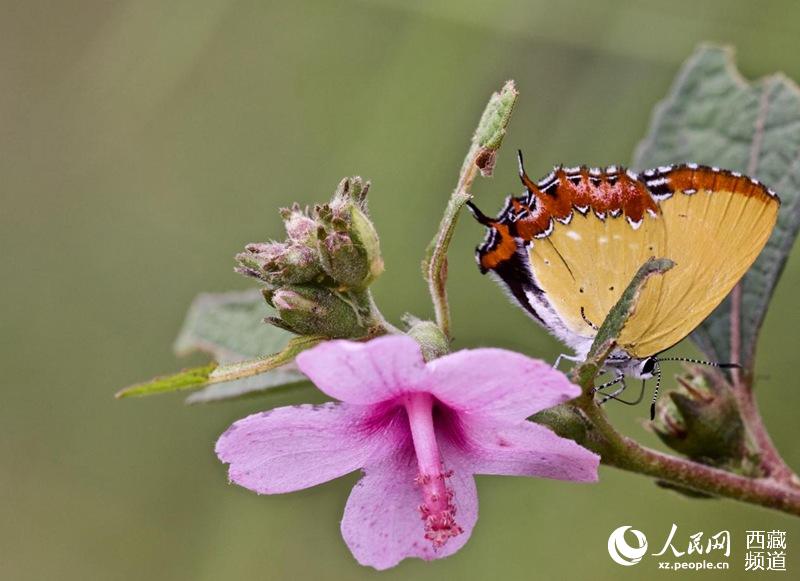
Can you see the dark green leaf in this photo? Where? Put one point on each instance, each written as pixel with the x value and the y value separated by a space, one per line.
pixel 713 116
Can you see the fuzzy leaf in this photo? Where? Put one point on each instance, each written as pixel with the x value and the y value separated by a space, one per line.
pixel 610 330
pixel 242 377
pixel 272 381
pixel 481 156
pixel 253 367
pixel 492 126
pixel 713 116
pixel 186 379
pixel 564 419
pixel 230 327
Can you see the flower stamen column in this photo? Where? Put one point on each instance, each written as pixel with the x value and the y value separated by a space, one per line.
pixel 437 508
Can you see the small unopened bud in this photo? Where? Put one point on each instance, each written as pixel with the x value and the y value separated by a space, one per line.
pixel 349 247
pixel 351 190
pixel 279 264
pixel 300 227
pixel 703 422
pixel 343 261
pixel 312 310
pixel 432 341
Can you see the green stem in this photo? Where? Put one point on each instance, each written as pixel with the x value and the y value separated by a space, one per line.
pixel 480 158
pixel 437 268
pixel 379 321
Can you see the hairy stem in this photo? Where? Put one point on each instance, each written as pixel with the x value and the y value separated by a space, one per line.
pixel 772 464
pixel 437 268
pixel 583 420
pixel 382 326
pixel 622 452
pixel 480 158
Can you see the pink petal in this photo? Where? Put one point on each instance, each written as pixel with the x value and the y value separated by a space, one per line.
pixel 291 448
pixel 382 524
pixel 499 383
pixel 364 373
pixel 528 449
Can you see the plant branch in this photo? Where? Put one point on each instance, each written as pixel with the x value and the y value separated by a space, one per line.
pixel 379 320
pixel 772 464
pixel 622 452
pixel 480 158
pixel 583 420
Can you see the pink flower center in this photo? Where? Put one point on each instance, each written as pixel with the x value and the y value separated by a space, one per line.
pixel 437 508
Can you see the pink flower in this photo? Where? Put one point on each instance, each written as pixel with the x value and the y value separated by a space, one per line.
pixel 419 431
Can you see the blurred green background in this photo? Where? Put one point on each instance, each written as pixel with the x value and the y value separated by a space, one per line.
pixel 142 143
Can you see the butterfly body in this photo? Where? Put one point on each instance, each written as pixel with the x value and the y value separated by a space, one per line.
pixel 568 247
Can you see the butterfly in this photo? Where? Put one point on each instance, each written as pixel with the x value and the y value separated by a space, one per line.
pixel 567 248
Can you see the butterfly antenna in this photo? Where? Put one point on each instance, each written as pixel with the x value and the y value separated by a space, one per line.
pixel 699 362
pixel 478 215
pixel 655 393
pixel 615 397
pixel 526 181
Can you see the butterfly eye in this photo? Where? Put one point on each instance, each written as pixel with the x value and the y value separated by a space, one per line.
pixel 648 366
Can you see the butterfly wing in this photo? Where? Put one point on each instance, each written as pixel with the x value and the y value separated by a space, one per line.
pixel 716 223
pixel 575 241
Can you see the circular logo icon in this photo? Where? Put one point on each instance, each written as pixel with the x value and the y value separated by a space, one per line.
pixel 623 553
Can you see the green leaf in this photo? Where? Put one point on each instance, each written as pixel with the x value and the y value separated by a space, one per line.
pixel 713 116
pixel 251 367
pixel 230 327
pixel 272 381
pixel 564 419
pixel 265 373
pixel 614 323
pixel 492 126
pixel 186 379
pixel 256 376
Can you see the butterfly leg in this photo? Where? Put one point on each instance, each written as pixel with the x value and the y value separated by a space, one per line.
pixel 620 378
pixel 615 393
pixel 566 357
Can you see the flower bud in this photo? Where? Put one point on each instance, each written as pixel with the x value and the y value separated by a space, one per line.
pixel 312 310
pixel 280 263
pixel 300 227
pixel 348 243
pixel 430 338
pixel 702 421
pixel 351 191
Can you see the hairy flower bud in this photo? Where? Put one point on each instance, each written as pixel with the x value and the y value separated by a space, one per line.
pixel 279 263
pixel 702 421
pixel 312 310
pixel 348 243
pixel 300 227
